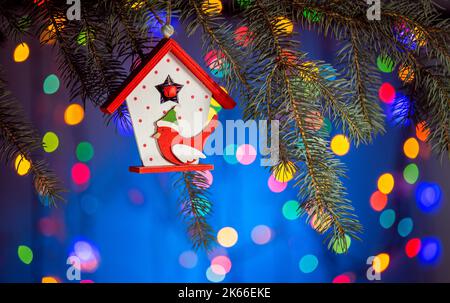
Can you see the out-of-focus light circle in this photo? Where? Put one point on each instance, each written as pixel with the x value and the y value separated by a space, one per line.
pixel 212 276
pixel 290 210
pixel 378 201
pixel 284 25
pixel 208 178
pixel 244 3
pixel 25 254
pixel 242 36
pixel 48 226
pixel 428 196
pixel 136 196
pixel 405 227
pixel 412 247
pixel 285 172
pixel 385 64
pixel 312 15
pixel 227 236
pixel 422 132
pixel 308 264
pixel 21 53
pixel 246 154
pixel 80 173
pixel 406 74
pixel 342 279
pixel 84 151
pixel 224 262
pixel 74 114
pixel 51 84
pixel 49 279
pixel 386 93
pixel 381 262
pixel 387 218
pixel 275 186
pixel 212 7
pixel 50 142
pixel 430 250
pixel 340 145
pixel 339 247
pixel 22 165
pixel 411 148
pixel 188 259
pixel 261 234
pixel 88 256
pixel 89 204
pixel 229 154
pixel 411 173
pixel 386 183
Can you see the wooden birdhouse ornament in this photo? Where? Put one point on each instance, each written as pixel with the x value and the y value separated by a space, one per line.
pixel 169 97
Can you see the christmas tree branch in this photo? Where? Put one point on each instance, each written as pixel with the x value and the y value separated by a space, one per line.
pixel 196 206
pixel 19 138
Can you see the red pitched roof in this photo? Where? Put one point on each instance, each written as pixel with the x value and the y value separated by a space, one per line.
pixel 163 47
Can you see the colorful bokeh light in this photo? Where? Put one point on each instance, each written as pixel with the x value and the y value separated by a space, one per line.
pixel 308 264
pixel 386 93
pixel 340 145
pixel 25 254
pixel 386 183
pixel 215 273
pixel 284 25
pixel 341 248
pixel 212 7
pixel 50 142
pixel 275 186
pixel 430 250
pixel 21 52
pixel 74 114
pixel 385 64
pixel 51 84
pixel 261 234
pixel 378 201
pixel 188 259
pixel 405 227
pixel 411 173
pixel 80 173
pixel 290 210
pixel 229 154
pixel 84 151
pixel 387 218
pixel 224 262
pixel 22 165
pixel 428 197
pixel 412 247
pixel 381 262
pixel 227 236
pixel 246 154
pixel 411 148
pixel 422 132
pixel 284 172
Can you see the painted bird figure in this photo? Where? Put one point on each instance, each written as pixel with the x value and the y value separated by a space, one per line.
pixel 176 148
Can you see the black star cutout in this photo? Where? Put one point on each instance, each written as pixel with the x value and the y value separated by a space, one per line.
pixel 169 90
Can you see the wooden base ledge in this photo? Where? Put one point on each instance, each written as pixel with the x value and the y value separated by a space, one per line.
pixel 169 168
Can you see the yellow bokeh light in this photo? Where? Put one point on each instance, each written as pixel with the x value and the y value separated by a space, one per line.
pixel 22 165
pixel 340 145
pixel 212 7
pixel 22 52
pixel 386 183
pixel 284 25
pixel 381 262
pixel 227 237
pixel 49 280
pixel 138 4
pixel 406 74
pixel 284 172
pixel 48 35
pixel 74 114
pixel 309 71
pixel 411 148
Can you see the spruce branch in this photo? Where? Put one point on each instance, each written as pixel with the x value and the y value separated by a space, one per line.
pixel 19 138
pixel 195 208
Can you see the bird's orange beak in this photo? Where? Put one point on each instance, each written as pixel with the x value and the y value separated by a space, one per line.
pixel 156 135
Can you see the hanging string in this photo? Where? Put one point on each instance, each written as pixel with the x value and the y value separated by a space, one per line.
pixel 167 29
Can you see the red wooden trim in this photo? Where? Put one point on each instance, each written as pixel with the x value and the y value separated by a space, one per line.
pixel 163 47
pixel 169 168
